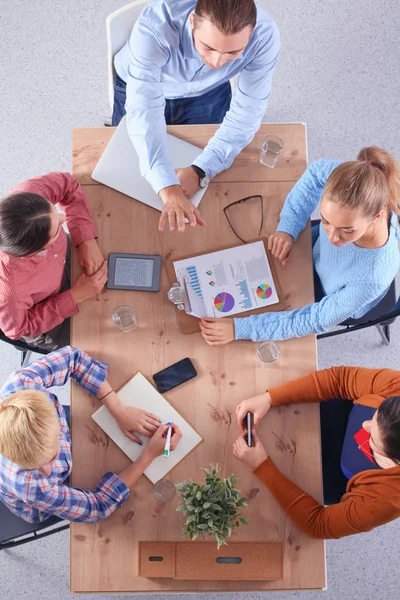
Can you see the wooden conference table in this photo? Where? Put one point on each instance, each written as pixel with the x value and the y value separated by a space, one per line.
pixel 104 557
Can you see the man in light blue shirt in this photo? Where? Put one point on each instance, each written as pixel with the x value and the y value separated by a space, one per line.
pixel 175 69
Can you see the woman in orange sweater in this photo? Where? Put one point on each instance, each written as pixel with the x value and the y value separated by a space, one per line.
pixel 360 432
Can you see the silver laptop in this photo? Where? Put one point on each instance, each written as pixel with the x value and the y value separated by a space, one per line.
pixel 118 167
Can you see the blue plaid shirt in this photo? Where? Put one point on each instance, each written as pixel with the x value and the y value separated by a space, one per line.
pixel 30 494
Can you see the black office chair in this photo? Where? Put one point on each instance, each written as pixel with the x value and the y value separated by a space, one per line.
pixel 25 349
pixel 381 316
pixel 12 528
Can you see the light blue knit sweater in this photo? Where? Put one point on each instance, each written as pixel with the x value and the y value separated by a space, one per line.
pixel 354 279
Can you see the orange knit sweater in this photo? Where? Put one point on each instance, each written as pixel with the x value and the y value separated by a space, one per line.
pixel 372 497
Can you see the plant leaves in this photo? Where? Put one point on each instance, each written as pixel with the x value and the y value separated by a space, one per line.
pixel 190 520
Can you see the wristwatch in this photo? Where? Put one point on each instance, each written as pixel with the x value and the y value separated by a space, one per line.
pixel 203 179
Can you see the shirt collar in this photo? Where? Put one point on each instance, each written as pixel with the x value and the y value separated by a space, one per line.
pixel 188 49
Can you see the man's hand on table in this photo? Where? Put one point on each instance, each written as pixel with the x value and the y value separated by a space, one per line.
pixel 280 244
pixel 88 286
pixel 176 208
pixel 156 445
pixel 252 456
pixel 189 181
pixel 90 256
pixel 257 405
pixel 217 331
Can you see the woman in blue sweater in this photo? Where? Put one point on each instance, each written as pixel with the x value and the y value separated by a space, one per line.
pixel 355 255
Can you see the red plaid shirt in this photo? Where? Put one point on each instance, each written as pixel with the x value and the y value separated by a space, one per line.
pixel 29 300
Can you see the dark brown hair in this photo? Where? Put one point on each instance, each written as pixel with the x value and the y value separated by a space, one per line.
pixel 388 419
pixel 371 183
pixel 228 16
pixel 24 223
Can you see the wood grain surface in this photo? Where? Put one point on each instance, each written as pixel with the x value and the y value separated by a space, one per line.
pixel 89 144
pixel 104 557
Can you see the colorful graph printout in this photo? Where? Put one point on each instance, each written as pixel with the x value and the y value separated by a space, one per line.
pixel 264 291
pixel 228 282
pixel 224 302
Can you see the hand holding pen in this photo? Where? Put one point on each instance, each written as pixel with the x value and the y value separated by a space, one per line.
pixel 157 443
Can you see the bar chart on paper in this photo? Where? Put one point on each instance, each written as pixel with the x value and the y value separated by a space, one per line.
pixel 194 280
pixel 244 294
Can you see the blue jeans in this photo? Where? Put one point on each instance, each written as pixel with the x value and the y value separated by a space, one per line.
pixel 209 108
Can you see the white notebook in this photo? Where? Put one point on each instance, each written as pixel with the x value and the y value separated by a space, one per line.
pixel 140 393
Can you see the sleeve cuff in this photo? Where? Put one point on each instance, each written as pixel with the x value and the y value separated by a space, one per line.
pixel 95 377
pixel 83 234
pixel 114 488
pixel 279 395
pixel 290 231
pixel 242 329
pixel 210 164
pixel 265 471
pixel 161 177
pixel 66 305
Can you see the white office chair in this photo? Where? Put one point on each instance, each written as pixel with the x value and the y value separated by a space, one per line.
pixel 119 25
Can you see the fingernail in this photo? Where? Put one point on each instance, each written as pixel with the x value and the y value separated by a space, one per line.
pixel 168 423
pixel 140 443
pixel 160 421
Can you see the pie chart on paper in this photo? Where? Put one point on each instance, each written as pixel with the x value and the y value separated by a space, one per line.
pixel 264 291
pixel 224 302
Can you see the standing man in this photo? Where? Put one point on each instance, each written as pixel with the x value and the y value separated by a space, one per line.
pixel 175 69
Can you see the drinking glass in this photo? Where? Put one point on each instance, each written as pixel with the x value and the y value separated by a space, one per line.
pixel 268 352
pixel 124 318
pixel 164 490
pixel 271 146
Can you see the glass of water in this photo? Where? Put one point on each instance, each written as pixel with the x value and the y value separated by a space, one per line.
pixel 164 490
pixel 271 147
pixel 268 352
pixel 124 318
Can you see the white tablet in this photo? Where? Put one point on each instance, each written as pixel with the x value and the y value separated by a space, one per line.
pixel 139 272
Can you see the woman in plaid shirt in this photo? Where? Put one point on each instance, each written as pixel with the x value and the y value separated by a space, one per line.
pixel 35 444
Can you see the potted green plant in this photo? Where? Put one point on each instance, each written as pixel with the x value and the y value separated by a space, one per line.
pixel 212 508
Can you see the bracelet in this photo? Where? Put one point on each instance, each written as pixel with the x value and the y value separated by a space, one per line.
pixel 102 398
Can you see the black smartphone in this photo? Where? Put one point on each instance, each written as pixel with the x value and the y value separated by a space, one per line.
pixel 248 421
pixel 174 375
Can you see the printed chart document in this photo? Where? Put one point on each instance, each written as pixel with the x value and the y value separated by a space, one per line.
pixel 140 393
pixel 228 282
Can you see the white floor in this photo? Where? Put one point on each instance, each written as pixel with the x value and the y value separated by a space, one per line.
pixel 338 72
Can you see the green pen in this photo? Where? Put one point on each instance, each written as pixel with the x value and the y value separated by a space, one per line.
pixel 168 441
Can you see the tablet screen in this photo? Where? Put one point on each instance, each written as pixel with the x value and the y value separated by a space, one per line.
pixel 134 271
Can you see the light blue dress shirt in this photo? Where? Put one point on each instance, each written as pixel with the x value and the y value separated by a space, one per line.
pixel 160 61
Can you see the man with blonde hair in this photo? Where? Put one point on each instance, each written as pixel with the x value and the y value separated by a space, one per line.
pixel 35 443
